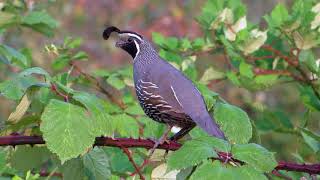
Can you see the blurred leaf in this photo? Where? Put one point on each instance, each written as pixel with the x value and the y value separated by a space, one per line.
pixel 307 57
pixel 13 56
pixel 202 148
pixel 61 62
pixel 81 55
pixel 40 21
pixel 211 74
pixel 312 139
pixel 170 56
pixel 158 38
pixel 25 158
pixel 246 70
pixel 38 17
pixel 35 70
pixel 185 44
pixel 97 162
pixel 116 82
pixel 101 73
pixel 265 81
pixel 134 109
pixel 7 18
pixel 69 135
pixel 234 122
pixel 233 78
pixel 278 16
pixel 72 43
pixel 308 98
pixel 305 41
pixel 255 155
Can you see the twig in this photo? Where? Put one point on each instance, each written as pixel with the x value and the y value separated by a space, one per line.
pixel 110 95
pixel 128 153
pixel 148 144
pixel 55 90
pixel 291 62
pixel 276 173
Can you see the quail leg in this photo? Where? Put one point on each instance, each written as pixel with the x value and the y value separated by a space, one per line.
pixel 162 139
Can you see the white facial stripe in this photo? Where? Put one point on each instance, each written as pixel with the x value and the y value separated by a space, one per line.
pixel 133 35
pixel 138 48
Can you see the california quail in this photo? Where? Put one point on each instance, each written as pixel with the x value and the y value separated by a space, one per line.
pixel 164 93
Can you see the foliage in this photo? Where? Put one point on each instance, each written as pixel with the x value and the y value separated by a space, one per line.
pixel 62 104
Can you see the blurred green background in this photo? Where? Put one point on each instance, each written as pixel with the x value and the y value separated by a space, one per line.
pixel 87 19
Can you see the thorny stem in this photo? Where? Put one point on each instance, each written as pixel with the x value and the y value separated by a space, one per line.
pixel 148 144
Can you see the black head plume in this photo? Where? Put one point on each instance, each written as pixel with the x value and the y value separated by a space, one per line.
pixel 108 31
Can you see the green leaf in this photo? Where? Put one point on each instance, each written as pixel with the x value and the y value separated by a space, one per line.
pixel 255 155
pixel 69 135
pixel 234 122
pixel 13 56
pixel 215 170
pixel 15 88
pixel 97 162
pixel 39 17
pixel 73 169
pixel 116 82
pixel 202 148
pixel 126 125
pixel 119 161
pixel 25 158
pixel 246 69
pixel 101 121
pixel 248 173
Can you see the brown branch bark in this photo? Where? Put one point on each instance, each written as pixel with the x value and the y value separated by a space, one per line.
pixel 148 144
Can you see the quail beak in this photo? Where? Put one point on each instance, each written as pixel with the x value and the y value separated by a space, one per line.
pixel 122 41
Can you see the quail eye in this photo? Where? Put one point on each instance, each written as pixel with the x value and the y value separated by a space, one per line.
pixel 130 40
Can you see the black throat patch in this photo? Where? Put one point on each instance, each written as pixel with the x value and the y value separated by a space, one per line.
pixel 131 49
